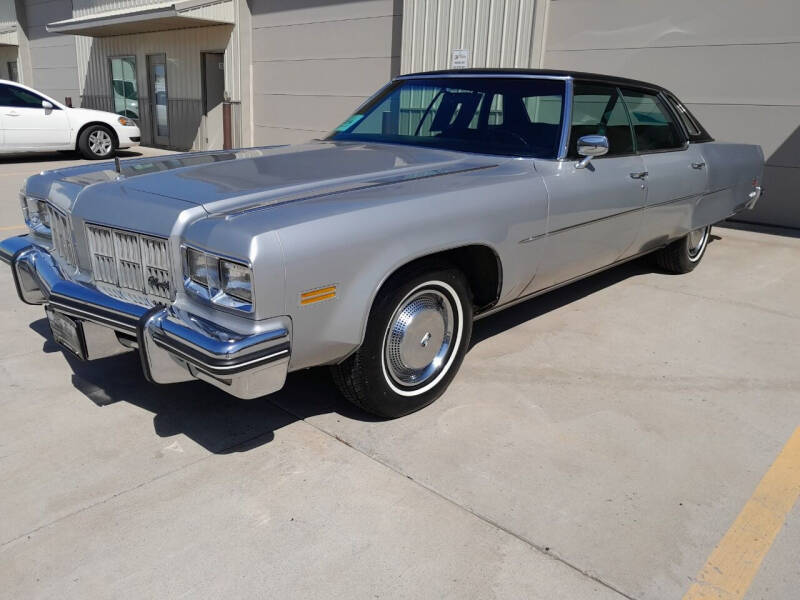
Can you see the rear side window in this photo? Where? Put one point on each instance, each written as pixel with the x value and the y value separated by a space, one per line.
pixel 690 123
pixel 11 95
pixel 652 122
pixel 598 110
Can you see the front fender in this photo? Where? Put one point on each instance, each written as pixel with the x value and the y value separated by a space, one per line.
pixel 358 250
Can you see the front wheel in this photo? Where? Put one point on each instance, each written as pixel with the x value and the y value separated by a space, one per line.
pixel 683 255
pixel 417 335
pixel 96 142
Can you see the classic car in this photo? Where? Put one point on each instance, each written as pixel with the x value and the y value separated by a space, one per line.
pixel 445 197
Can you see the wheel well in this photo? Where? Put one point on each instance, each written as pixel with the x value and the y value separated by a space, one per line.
pixel 106 125
pixel 480 265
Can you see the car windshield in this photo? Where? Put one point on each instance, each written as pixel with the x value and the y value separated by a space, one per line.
pixel 506 116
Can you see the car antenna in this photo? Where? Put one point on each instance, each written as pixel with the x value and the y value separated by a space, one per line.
pixel 117 167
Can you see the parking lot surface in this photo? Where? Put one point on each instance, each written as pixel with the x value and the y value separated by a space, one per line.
pixel 598 442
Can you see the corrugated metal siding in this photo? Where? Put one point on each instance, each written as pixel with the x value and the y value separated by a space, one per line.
pixel 498 33
pixel 183 49
pixel 81 8
pixel 8 14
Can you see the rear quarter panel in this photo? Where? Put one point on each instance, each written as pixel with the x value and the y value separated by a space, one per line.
pixel 732 169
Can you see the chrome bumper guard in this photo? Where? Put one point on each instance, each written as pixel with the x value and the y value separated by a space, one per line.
pixel 173 345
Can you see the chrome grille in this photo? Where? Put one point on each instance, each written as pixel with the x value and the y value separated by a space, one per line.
pixel 61 231
pixel 130 260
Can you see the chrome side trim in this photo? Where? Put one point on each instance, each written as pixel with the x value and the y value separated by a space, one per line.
pixel 483 76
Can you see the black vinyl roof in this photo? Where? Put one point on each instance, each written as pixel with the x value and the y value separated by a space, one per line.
pixel 596 77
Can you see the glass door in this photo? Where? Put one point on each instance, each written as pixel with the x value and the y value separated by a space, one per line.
pixel 159 98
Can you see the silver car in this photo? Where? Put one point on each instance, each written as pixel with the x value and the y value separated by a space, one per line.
pixel 447 196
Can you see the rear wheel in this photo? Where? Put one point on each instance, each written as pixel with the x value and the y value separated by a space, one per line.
pixel 417 335
pixel 683 255
pixel 97 142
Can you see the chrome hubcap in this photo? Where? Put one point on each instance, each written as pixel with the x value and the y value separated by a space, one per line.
pixel 419 337
pixel 697 241
pixel 100 142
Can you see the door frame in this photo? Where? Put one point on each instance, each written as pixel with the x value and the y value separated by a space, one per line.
pixel 157 139
pixel 203 96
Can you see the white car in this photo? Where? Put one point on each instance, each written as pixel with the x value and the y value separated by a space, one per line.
pixel 33 122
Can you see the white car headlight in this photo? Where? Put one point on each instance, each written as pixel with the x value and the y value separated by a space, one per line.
pixel 125 122
pixel 36 214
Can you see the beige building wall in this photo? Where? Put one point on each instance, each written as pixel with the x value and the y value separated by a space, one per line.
pixel 53 62
pixel 315 61
pixel 733 62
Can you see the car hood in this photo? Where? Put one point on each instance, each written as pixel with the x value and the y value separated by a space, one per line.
pixel 149 194
pixel 231 181
pixel 88 114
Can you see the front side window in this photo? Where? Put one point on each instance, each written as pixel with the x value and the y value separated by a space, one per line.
pixel 598 110
pixel 123 86
pixel 513 117
pixel 11 95
pixel 652 122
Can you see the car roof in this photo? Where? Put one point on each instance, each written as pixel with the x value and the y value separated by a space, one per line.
pixel 595 77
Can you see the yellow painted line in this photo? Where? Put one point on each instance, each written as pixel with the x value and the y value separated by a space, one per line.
pixel 319 291
pixel 11 227
pixel 735 561
pixel 318 298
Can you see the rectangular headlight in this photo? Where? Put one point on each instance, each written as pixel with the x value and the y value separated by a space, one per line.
pixel 235 280
pixel 36 214
pixel 199 265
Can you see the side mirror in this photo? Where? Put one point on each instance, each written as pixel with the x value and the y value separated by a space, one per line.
pixel 590 146
pixel 47 105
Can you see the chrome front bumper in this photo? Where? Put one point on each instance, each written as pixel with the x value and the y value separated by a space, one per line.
pixel 174 345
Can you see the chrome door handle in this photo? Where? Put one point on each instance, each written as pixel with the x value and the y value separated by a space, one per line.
pixel 639 175
pixel 698 165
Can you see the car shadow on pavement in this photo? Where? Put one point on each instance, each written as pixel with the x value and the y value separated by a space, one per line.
pixel 213 419
pixel 540 305
pixel 223 424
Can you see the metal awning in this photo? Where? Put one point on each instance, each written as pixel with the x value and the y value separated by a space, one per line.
pixel 158 16
pixel 8 36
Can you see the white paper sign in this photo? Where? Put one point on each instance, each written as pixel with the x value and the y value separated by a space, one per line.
pixel 460 59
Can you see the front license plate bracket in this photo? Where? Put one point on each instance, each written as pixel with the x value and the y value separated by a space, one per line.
pixel 67 332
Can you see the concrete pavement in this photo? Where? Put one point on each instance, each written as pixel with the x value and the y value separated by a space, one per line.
pixel 597 443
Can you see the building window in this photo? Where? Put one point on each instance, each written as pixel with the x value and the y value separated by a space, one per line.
pixel 13 74
pixel 124 90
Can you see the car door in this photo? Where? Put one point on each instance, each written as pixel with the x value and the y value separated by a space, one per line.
pixel 676 170
pixel 27 124
pixel 595 212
